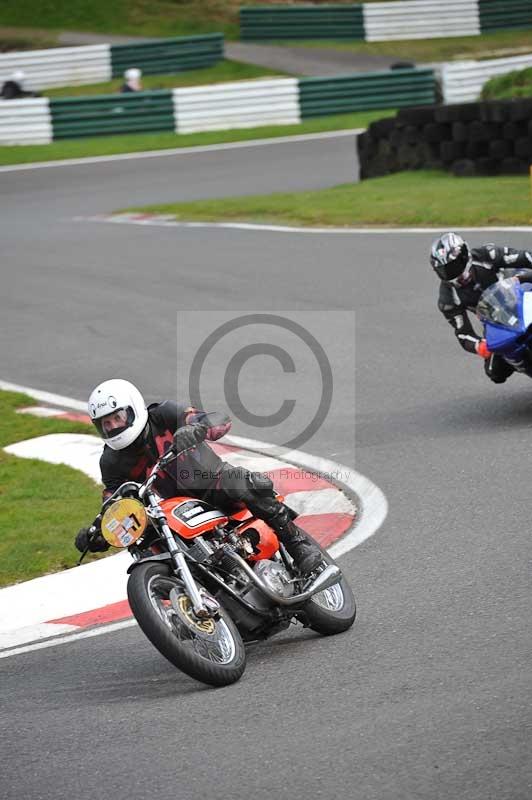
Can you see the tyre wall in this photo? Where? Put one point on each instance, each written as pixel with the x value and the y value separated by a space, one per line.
pixel 493 138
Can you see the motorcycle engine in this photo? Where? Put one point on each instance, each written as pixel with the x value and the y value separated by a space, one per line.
pixel 277 578
pixel 200 549
pixel 250 625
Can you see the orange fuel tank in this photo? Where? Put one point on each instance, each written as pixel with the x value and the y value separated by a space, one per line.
pixel 189 517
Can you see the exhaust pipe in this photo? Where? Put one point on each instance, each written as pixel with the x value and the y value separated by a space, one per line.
pixel 330 575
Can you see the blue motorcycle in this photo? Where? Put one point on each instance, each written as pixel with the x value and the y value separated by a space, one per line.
pixel 505 309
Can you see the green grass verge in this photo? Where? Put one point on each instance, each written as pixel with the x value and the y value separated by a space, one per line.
pixel 224 71
pixel 133 17
pixel 510 86
pixel 408 198
pixel 131 143
pixel 188 17
pixel 430 50
pixel 41 505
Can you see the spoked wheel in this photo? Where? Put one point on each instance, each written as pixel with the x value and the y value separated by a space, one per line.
pixel 334 609
pixel 210 650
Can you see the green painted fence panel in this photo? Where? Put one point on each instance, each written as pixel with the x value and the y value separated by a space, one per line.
pixel 364 91
pixel 134 112
pixel 168 55
pixel 302 22
pixel 497 14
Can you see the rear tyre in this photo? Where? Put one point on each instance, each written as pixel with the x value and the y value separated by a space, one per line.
pixel 334 609
pixel 210 650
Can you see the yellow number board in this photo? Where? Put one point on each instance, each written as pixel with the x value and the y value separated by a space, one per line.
pixel 124 522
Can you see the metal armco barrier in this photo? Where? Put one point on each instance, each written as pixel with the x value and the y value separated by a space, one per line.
pixel 246 104
pixel 222 106
pixel 63 66
pixel 425 19
pixel 72 66
pixel 168 55
pixel 462 81
pixel 134 112
pixel 320 96
pixel 25 121
pixel 302 22
pixel 386 21
pixel 496 14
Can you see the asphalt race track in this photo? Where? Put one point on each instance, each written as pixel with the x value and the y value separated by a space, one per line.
pixel 427 697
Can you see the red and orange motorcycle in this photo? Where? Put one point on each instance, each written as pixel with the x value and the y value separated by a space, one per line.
pixel 203 582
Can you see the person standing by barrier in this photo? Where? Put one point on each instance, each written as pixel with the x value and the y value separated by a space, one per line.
pixel 13 88
pixel 132 80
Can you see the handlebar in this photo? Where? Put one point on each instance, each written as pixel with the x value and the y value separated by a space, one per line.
pixel 141 488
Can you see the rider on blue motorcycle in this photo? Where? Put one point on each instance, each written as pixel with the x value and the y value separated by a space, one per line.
pixel 136 436
pixel 465 272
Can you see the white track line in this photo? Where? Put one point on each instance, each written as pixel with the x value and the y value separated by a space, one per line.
pixel 45 397
pixel 156 222
pixel 70 637
pixel 183 151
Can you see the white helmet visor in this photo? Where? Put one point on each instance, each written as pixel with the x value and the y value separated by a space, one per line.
pixel 115 423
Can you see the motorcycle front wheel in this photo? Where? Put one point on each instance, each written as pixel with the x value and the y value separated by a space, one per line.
pixel 210 650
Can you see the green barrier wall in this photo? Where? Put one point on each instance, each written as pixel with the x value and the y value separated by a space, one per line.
pixel 497 14
pixel 168 55
pixel 107 114
pixel 347 21
pixel 408 87
pixel 302 22
pixel 154 111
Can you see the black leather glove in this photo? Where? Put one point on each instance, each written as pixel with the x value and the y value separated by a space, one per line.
pixel 189 436
pixel 93 541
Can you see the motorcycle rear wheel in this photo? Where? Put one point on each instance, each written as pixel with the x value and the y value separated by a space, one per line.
pixel 209 650
pixel 333 610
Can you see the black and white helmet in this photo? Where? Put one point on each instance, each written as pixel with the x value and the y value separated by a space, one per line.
pixel 451 259
pixel 119 412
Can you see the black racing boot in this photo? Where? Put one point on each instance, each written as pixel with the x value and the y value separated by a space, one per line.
pixel 497 368
pixel 305 553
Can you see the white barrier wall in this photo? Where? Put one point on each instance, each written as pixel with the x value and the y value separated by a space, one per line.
pixel 420 19
pixel 463 80
pixel 25 121
pixel 245 104
pixel 60 66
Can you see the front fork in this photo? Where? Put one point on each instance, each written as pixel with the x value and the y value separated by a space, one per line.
pixel 203 605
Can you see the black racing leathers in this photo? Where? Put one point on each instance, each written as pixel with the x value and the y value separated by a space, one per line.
pixel 489 264
pixel 191 474
pixel 200 472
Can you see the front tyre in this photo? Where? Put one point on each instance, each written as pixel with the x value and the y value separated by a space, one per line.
pixel 334 609
pixel 209 650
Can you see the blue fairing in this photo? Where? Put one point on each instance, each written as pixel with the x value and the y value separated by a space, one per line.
pixel 500 339
pixel 501 310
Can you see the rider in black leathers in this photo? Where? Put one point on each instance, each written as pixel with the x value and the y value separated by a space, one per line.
pixel 137 436
pixel 465 272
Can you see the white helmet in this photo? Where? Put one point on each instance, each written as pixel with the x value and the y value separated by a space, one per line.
pixel 133 78
pixel 133 73
pixel 119 412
